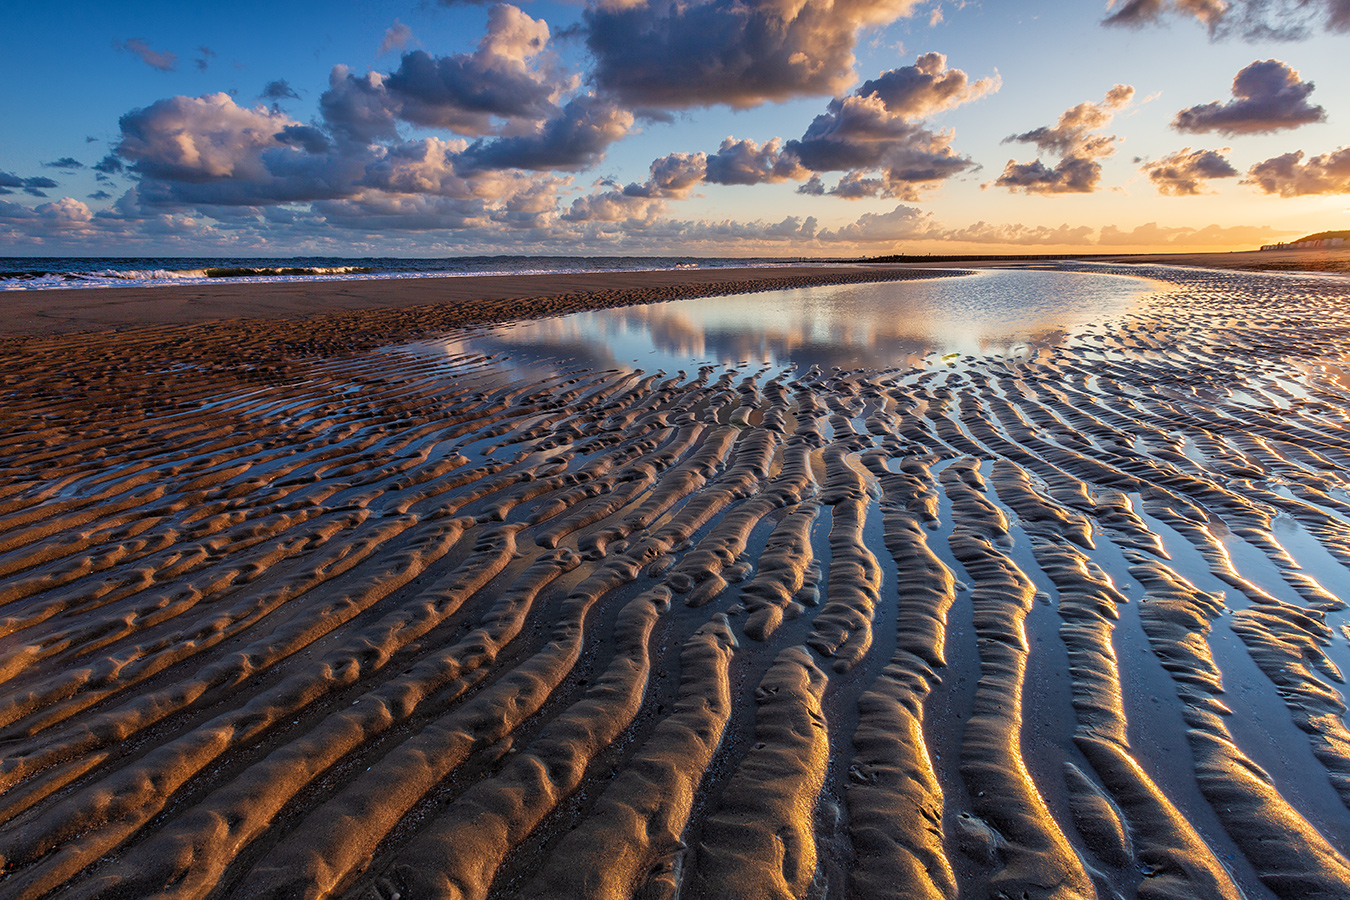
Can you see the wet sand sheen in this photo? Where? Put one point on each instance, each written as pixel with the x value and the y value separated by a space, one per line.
pixel 288 610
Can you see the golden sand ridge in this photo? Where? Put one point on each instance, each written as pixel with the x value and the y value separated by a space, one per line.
pixel 288 610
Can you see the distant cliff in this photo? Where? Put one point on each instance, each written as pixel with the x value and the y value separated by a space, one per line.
pixel 1323 240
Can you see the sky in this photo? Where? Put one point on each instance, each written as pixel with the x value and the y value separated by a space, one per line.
pixel 785 128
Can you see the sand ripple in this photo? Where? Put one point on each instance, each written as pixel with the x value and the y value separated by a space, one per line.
pixel 291 611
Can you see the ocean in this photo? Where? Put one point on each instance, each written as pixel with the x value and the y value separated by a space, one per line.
pixel 45 273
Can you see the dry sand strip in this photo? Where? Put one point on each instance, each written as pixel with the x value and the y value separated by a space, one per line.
pixel 289 610
pixel 384 306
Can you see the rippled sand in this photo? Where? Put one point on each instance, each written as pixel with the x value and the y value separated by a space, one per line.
pixel 287 612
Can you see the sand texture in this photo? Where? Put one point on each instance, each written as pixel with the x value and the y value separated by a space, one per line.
pixel 309 606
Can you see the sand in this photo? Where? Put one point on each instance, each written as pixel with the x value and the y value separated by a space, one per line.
pixel 388 304
pixel 290 607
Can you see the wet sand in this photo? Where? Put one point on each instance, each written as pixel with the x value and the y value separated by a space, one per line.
pixel 417 304
pixel 1329 262
pixel 292 608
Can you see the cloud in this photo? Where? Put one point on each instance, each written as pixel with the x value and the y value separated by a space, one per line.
pixel 674 175
pixel 34 186
pixel 396 37
pixel 901 223
pixel 925 88
pixel 1182 174
pixel 575 139
pixel 65 162
pixel 100 195
pixel 358 108
pixel 278 90
pixel 1153 235
pixel 1252 20
pixel 66 214
pixel 198 139
pixel 812 187
pixel 1017 234
pixel 745 162
pixel 1289 176
pixel 671 177
pixel 238 165
pixel 876 130
pixel 501 79
pixel 1268 96
pixel 1076 138
pixel 856 186
pixel 305 137
pixel 510 84
pixel 1134 13
pixel 666 54
pixel 164 62
pixel 204 57
pixel 870 135
pixel 614 206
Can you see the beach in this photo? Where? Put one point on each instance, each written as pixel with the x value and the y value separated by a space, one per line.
pixel 303 595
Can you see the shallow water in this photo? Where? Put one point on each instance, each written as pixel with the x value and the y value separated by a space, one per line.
pixel 1065 618
pixel 987 313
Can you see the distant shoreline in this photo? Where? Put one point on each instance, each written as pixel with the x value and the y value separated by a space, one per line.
pixel 408 306
pixel 465 300
pixel 1313 261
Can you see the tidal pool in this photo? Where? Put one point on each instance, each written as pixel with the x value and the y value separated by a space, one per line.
pixel 990 312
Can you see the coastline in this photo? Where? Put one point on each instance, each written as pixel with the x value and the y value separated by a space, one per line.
pixel 464 300
pixel 444 302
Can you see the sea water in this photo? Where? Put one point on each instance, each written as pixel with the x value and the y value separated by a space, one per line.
pixel 877 326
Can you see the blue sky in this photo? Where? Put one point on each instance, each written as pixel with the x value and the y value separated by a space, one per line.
pixel 775 127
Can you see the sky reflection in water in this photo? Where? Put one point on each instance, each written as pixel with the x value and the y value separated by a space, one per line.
pixel 993 312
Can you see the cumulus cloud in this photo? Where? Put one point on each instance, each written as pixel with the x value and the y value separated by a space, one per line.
pixel 1077 139
pixel 65 162
pixel 509 84
pixel 204 57
pixel 1252 20
pixel 465 91
pixel 873 136
pixel 614 206
pixel 357 108
pixel 671 177
pixel 746 162
pixel 674 175
pixel 396 37
pixel 164 62
pixel 901 223
pixel 575 139
pixel 198 139
pixel 1182 174
pixel 66 214
pixel 925 88
pixel 355 169
pixel 876 129
pixel 1289 176
pixel 1267 96
pixel 667 54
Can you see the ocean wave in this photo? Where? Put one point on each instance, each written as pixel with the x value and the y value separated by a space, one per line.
pixel 19 274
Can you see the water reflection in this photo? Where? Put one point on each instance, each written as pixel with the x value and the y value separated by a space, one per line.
pixel 992 312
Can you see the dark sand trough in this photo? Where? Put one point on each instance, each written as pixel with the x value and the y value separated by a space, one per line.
pixel 289 612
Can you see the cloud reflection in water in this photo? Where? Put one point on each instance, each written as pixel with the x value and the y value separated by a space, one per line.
pixel 877 326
